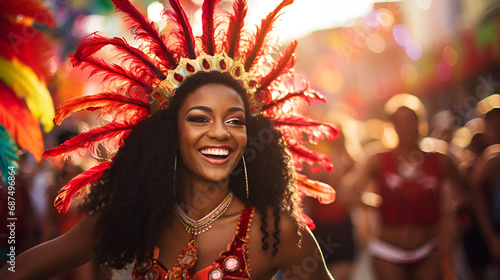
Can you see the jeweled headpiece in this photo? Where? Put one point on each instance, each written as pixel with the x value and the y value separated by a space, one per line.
pixel 149 74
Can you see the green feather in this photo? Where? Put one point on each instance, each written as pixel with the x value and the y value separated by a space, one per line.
pixel 8 153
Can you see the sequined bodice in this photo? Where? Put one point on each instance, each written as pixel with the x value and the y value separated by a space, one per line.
pixel 232 263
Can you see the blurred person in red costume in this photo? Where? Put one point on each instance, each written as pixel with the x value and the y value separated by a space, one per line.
pixel 204 135
pixel 408 187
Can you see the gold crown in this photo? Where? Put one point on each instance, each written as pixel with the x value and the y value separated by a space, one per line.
pixel 219 62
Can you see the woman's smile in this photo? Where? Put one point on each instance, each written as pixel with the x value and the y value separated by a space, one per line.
pixel 216 154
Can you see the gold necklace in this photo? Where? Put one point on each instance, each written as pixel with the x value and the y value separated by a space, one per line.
pixel 202 225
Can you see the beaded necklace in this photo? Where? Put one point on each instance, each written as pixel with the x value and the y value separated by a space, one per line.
pixel 202 225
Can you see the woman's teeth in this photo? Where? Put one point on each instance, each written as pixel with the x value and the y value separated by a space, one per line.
pixel 215 152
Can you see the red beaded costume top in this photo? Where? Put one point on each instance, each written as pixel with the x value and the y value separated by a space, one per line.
pixel 410 197
pixel 232 263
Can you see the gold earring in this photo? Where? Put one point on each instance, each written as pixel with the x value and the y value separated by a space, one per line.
pixel 246 176
pixel 175 172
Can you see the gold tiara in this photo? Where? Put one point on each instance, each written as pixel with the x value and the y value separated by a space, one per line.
pixel 220 62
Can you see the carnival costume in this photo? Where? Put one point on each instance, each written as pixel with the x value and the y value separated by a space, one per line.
pixel 147 78
pixel 404 191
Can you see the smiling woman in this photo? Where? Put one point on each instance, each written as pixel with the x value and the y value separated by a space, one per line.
pixel 205 170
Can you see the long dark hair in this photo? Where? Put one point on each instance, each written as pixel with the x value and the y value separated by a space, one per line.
pixel 134 198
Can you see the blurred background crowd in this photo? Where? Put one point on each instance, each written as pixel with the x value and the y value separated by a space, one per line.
pixel 445 54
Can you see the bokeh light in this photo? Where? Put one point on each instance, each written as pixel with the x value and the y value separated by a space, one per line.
pixel 444 71
pixel 413 49
pixel 450 56
pixel 462 137
pixel 154 11
pixel 424 4
pixel 385 17
pixel 401 34
pixel 371 19
pixel 375 43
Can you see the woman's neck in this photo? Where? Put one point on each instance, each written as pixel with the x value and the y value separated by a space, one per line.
pixel 198 197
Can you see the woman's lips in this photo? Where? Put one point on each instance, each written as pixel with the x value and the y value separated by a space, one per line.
pixel 216 155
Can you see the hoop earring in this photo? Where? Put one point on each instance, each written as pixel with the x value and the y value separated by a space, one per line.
pixel 246 175
pixel 175 172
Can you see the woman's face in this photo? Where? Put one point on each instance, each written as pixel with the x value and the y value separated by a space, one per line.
pixel 406 125
pixel 212 132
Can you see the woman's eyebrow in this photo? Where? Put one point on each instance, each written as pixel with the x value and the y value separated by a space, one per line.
pixel 203 108
pixel 235 109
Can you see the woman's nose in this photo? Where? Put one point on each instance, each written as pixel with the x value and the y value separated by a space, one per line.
pixel 218 131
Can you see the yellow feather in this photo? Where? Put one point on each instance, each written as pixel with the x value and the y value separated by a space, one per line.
pixel 27 86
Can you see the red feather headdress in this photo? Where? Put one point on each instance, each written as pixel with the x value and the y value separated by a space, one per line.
pixel 148 75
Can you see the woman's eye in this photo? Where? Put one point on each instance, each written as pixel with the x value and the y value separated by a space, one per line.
pixel 237 121
pixel 197 119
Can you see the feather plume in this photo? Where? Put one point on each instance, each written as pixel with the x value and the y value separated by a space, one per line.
pixel 324 193
pixel 137 59
pixel 108 102
pixel 183 33
pixel 147 31
pixel 301 154
pixel 294 126
pixel 30 88
pixel 17 119
pixel 111 73
pixel 236 23
pixel 306 95
pixel 90 139
pixel 77 184
pixel 266 26
pixel 207 19
pixel 285 62
pixel 8 154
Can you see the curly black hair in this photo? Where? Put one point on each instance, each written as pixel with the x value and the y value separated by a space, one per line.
pixel 134 198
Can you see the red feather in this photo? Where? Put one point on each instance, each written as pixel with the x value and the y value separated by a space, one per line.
pixel 207 19
pixel 285 62
pixel 111 73
pixel 236 23
pixel 29 8
pixel 90 139
pixel 255 51
pixel 136 58
pixel 294 126
pixel 18 120
pixel 301 154
pixel 147 31
pixel 324 193
pixel 305 94
pixel 63 199
pixel 108 102
pixel 183 33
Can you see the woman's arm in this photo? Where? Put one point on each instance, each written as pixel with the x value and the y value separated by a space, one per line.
pixel 358 194
pixel 49 259
pixel 301 257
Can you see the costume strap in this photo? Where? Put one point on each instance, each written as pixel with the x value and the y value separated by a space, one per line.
pixel 244 223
